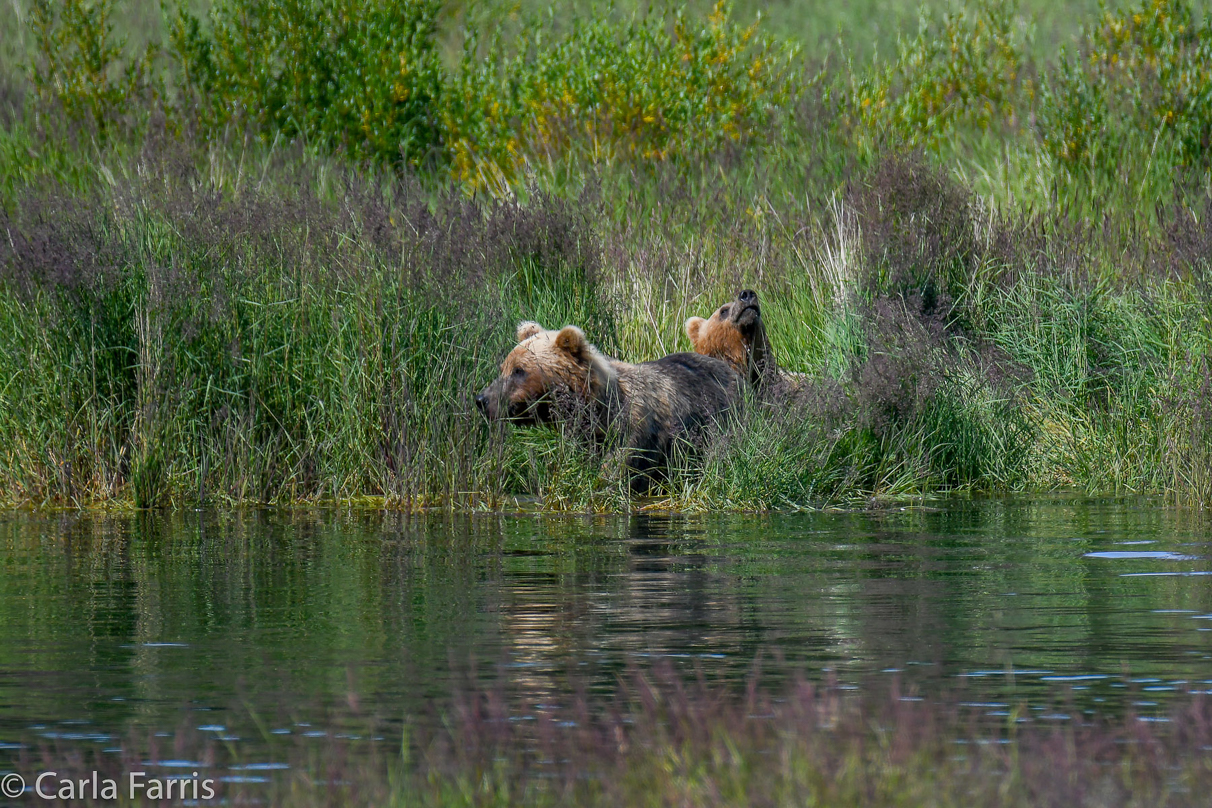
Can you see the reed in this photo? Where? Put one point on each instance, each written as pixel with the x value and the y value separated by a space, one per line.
pixel 202 307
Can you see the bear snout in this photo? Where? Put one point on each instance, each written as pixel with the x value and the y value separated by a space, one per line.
pixel 488 402
pixel 747 313
pixel 499 401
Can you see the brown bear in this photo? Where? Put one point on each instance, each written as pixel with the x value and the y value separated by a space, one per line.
pixel 736 334
pixel 557 375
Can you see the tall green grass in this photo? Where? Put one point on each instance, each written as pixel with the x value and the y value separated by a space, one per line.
pixel 219 285
pixel 172 342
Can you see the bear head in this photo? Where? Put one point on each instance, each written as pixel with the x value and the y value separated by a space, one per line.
pixel 547 368
pixel 736 334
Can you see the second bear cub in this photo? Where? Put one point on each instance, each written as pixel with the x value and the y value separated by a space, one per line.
pixel 736 334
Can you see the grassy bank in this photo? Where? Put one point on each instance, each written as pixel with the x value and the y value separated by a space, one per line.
pixel 225 281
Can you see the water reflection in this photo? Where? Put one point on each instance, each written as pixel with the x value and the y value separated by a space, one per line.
pixel 314 618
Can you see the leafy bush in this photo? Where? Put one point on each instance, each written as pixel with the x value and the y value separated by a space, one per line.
pixel 364 78
pixel 648 88
pixel 1141 74
pixel 360 76
pixel 965 69
pixel 79 64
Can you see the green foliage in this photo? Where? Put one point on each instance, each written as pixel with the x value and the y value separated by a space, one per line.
pixel 361 77
pixel 254 324
pixel 648 88
pixel 364 78
pixel 1142 75
pixel 1111 380
pixel 768 459
pixel 1187 448
pixel 965 69
pixel 79 63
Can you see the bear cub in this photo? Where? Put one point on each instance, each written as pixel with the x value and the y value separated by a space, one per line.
pixel 736 334
pixel 560 376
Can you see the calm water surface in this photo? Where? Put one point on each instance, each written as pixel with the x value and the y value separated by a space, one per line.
pixel 255 624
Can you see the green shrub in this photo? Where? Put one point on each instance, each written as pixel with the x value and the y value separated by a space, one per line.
pixel 359 76
pixel 966 69
pixel 79 64
pixel 1142 75
pixel 649 89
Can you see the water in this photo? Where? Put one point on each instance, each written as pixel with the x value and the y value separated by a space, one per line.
pixel 253 625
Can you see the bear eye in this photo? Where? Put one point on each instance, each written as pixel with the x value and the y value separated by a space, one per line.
pixel 518 373
pixel 723 311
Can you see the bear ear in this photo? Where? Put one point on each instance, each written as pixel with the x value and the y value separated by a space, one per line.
pixel 528 329
pixel 693 326
pixel 571 340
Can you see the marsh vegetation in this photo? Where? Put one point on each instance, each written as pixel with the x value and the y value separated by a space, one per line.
pixel 259 255
pixel 266 252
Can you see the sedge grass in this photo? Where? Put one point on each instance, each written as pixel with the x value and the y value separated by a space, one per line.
pixel 202 316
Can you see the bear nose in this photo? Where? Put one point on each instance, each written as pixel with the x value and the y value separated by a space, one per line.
pixel 482 403
pixel 747 296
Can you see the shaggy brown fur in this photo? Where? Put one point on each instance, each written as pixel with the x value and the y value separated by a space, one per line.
pixel 557 375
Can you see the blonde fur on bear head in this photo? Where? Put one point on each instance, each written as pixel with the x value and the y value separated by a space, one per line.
pixel 546 362
pixel 527 329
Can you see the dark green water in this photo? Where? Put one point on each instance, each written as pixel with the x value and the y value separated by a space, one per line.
pixel 255 625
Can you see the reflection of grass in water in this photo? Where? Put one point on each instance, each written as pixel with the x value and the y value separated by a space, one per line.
pixel 666 741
